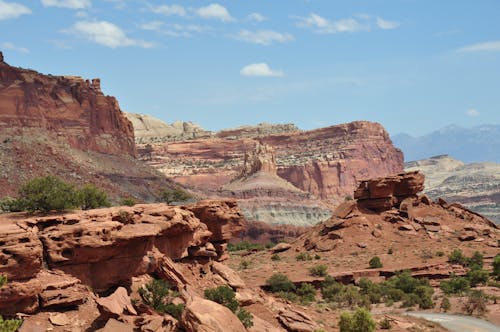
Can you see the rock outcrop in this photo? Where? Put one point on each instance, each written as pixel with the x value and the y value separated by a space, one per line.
pixel 325 163
pixel 103 248
pixel 66 105
pixel 475 185
pixel 149 129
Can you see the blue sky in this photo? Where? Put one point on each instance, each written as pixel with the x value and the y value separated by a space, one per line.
pixel 412 65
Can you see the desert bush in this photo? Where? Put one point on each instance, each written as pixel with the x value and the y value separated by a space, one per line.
pixel 306 292
pixel 318 270
pixel 128 201
pixel 275 257
pixel 477 276
pixel 224 295
pixel 245 318
pixel 244 264
pixel 475 261
pixel 303 256
pixel 280 283
pixel 360 321
pixel 3 280
pixel 9 204
pixel 424 294
pixel 457 257
pixel 372 290
pixel 496 267
pixel 476 302
pixel 171 195
pixel 46 194
pixel 288 296
pixel 455 286
pixel 375 263
pixel 385 324
pixel 91 197
pixel 445 304
pixel 158 295
pixel 440 253
pixel 245 245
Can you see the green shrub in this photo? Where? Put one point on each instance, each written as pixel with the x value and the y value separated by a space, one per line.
pixel 244 264
pixel 303 256
pixel 440 253
pixel 375 263
pixel 330 289
pixel 476 302
pixel 9 204
pixel 385 324
pixel 91 197
pixel 3 280
pixel 445 304
pixel 223 295
pixel 424 294
pixel 457 257
pixel 245 317
pixel 280 283
pixel 496 267
pixel 245 245
pixel 171 195
pixel 128 201
pixel 476 261
pixel 456 285
pixel 306 292
pixel 317 257
pixel 477 276
pixel 46 194
pixel 158 295
pixel 360 321
pixel 275 257
pixel 372 290
pixel 9 325
pixel 226 296
pixel 318 270
pixel 288 296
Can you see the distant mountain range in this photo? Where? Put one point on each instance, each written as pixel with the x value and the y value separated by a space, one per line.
pixel 476 144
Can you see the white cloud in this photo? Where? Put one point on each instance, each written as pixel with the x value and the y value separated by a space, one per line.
pixel 492 46
pixel 71 4
pixel 11 47
pixel 322 25
pixel 260 70
pixel 215 11
pixel 106 34
pixel 169 10
pixel 264 37
pixel 386 25
pixel 472 112
pixel 10 10
pixel 256 17
pixel 153 25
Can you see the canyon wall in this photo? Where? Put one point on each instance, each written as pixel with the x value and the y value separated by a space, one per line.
pixel 67 106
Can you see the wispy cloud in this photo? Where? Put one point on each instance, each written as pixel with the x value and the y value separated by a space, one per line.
pixel 386 25
pixel 71 4
pixel 491 46
pixel 215 11
pixel 472 112
pixel 320 24
pixel 152 25
pixel 256 17
pixel 9 10
pixel 169 10
pixel 264 37
pixel 12 47
pixel 175 30
pixel 106 34
pixel 260 70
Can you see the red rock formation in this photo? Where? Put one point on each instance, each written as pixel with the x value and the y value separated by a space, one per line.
pixel 386 192
pixel 64 105
pixel 326 162
pixel 103 248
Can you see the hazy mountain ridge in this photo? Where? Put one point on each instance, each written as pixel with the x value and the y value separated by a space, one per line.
pixel 476 144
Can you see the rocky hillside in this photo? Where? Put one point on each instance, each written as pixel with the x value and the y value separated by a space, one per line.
pixel 326 163
pixel 66 126
pixel 475 185
pixel 476 144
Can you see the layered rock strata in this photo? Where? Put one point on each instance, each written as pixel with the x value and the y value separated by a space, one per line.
pixel 64 105
pixel 47 260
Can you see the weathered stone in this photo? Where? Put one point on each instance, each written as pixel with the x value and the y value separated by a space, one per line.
pixel 280 247
pixel 116 304
pixel 201 315
pixel 231 277
pixel 467 236
pixel 60 319
pixel 113 325
pixel 297 321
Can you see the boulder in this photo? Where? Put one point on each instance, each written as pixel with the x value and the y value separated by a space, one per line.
pixel 231 277
pixel 467 236
pixel 201 315
pixel 113 325
pixel 297 321
pixel 116 304
pixel 280 247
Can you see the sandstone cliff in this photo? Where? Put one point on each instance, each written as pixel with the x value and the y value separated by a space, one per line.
pixel 326 162
pixel 64 105
pixel 475 185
